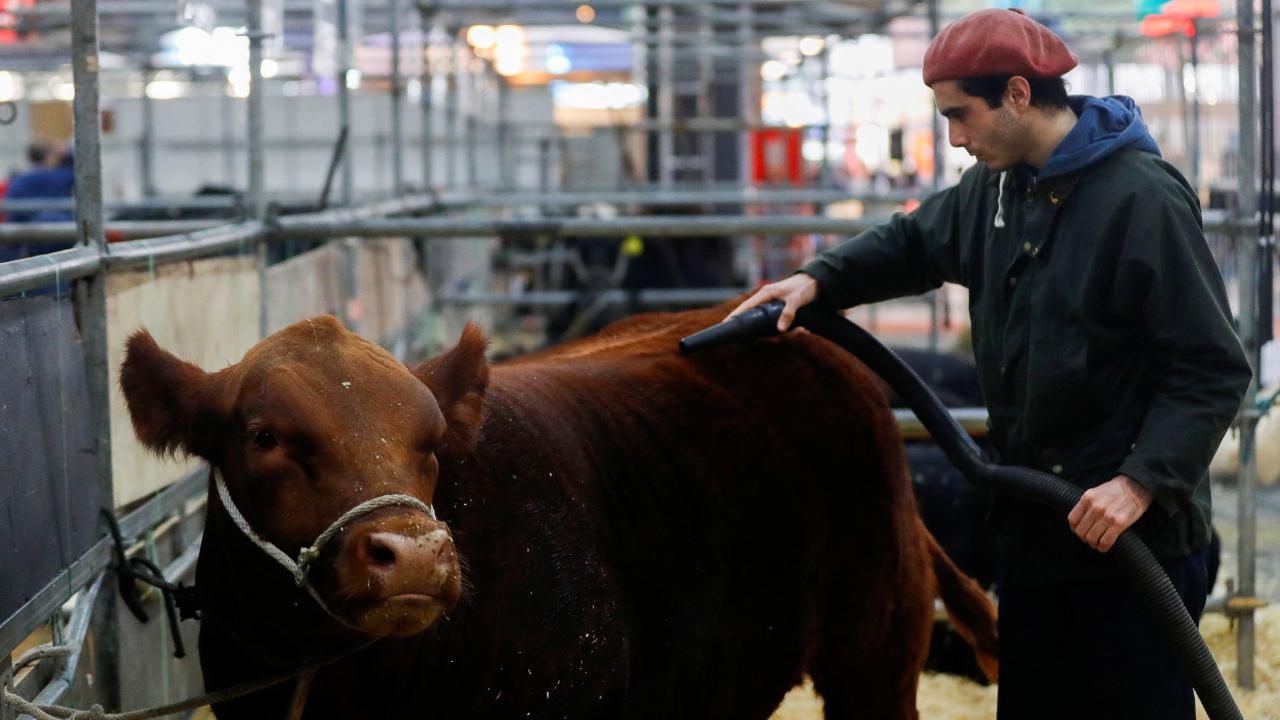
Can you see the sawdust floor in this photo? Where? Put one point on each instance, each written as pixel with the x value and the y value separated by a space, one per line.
pixel 945 697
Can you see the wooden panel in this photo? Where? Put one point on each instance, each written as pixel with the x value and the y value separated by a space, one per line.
pixel 203 311
pixel 305 285
pixel 48 495
pixel 392 291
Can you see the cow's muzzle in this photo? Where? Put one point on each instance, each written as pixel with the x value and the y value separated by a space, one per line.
pixel 308 555
pixel 397 575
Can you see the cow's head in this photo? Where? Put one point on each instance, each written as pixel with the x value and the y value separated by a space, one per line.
pixel 312 422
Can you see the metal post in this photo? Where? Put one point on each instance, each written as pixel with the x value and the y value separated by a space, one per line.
pixel 506 175
pixel 666 95
pixel 255 116
pixel 257 199
pixel 472 140
pixel 451 114
pixel 344 97
pixel 228 140
pixel 88 215
pixel 471 127
pixel 146 144
pixel 1194 146
pixel 425 99
pixel 705 84
pixel 1109 62
pixel 397 128
pixel 90 292
pixel 939 159
pixel 544 164
pixel 1247 206
pixel 748 91
pixel 824 72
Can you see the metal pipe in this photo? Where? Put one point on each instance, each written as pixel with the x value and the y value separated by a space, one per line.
pixel 451 114
pixel 1247 206
pixel 257 201
pixel 396 206
pixel 935 119
pixel 544 165
pixel 42 270
pixel 64 231
pixel 90 291
pixel 344 97
pixel 545 298
pixel 146 144
pixel 397 126
pixel 506 173
pixel 1194 146
pixel 748 91
pixel 187 246
pixel 473 145
pixel 665 72
pixel 425 99
pixel 228 140
pixel 653 227
pixel 189 203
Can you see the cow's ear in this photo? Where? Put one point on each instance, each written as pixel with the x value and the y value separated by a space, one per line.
pixel 165 395
pixel 458 379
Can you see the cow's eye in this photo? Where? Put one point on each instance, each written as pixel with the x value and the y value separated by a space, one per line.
pixel 264 440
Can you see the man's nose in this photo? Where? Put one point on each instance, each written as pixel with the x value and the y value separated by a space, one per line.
pixel 956 138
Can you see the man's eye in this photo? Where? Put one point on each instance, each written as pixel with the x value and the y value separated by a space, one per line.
pixel 264 440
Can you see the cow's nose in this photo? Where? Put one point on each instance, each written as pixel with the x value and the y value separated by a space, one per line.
pixel 388 551
pixel 381 550
pixel 390 563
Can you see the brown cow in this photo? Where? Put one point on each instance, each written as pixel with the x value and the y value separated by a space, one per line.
pixel 638 534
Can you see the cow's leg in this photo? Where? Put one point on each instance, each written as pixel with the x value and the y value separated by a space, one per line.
pixel 871 650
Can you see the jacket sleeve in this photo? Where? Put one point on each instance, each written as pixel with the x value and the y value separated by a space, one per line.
pixel 1200 371
pixel 910 254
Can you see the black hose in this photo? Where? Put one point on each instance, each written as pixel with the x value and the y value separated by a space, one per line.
pixel 1024 483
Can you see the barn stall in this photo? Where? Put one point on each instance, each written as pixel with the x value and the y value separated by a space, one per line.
pixel 538 167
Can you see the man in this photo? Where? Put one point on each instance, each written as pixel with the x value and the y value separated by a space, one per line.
pixel 51 177
pixel 1105 346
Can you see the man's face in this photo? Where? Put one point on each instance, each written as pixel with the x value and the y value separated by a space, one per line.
pixel 995 136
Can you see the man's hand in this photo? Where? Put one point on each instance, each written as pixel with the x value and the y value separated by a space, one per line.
pixel 1108 510
pixel 796 291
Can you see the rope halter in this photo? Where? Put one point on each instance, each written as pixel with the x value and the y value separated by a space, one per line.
pixel 307 555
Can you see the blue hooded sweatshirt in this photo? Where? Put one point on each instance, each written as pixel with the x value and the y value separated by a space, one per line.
pixel 1104 126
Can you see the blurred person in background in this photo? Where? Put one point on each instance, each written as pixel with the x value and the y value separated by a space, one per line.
pixel 51 177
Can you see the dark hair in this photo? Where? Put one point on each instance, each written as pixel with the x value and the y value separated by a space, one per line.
pixel 1046 93
pixel 38 152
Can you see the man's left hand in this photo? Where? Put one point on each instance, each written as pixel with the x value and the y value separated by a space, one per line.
pixel 1108 510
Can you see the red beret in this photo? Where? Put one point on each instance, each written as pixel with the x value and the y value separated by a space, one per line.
pixel 996 42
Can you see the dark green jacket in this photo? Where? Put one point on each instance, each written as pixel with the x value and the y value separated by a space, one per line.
pixel 1101 330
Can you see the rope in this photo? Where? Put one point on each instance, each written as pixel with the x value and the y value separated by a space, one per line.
pixel 307 555
pixel 96 712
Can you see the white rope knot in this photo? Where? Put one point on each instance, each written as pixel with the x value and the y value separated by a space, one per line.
pixel 96 712
pixel 306 556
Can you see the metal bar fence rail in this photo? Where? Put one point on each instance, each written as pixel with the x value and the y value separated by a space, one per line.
pixel 365 220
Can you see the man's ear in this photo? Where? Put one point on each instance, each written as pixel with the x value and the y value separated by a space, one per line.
pixel 458 379
pixel 166 396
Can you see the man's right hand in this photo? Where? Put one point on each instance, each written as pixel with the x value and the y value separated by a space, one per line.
pixel 796 292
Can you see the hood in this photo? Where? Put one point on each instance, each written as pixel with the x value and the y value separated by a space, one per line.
pixel 1104 126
